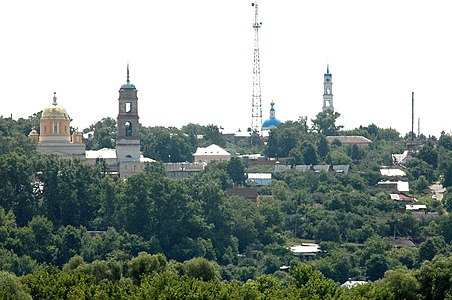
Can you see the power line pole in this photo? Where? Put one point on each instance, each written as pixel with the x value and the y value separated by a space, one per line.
pixel 256 111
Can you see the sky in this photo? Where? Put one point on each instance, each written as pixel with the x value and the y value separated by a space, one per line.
pixel 192 61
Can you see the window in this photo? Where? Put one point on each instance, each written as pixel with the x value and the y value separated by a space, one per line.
pixel 128 129
pixel 45 128
pixel 128 107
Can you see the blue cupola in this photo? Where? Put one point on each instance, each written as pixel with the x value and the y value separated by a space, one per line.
pixel 272 122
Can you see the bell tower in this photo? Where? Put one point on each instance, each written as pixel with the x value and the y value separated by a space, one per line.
pixel 128 132
pixel 327 90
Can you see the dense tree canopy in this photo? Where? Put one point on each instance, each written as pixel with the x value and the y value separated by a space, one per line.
pixel 69 230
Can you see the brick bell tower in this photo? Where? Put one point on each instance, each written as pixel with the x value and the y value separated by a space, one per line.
pixel 128 132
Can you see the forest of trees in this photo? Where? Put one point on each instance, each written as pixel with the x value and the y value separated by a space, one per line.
pixel 69 230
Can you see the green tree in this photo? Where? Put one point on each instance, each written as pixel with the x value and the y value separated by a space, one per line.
pixel 421 185
pixel 325 122
pixel 429 154
pixel 445 141
pixel 402 283
pixel 166 144
pixel 445 167
pixel 11 287
pixel 430 248
pixel 309 154
pixel 16 191
pixel 146 264
pixel 434 278
pixel 445 228
pixel 104 133
pixel 323 148
pixel 236 170
pixel 203 269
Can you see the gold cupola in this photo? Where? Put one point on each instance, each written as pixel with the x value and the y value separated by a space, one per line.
pixel 54 124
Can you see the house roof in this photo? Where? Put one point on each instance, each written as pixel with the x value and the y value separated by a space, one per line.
pixel 352 283
pixel 341 168
pixel 401 242
pixel 324 168
pixel 350 139
pixel 213 150
pixel 415 206
pixel 281 168
pixel 399 158
pixel 102 153
pixel 305 249
pixel 259 176
pixel 401 197
pixel 302 168
pixel 392 172
pixel 247 193
pixel 401 186
pixel 184 166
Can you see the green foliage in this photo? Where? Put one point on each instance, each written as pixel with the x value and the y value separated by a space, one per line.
pixel 323 148
pixel 104 134
pixel 146 264
pixel 417 168
pixel 429 154
pixel 201 268
pixel 16 191
pixel 445 167
pixel 236 170
pixel 445 141
pixel 402 283
pixel 11 288
pixel 286 137
pixel 325 122
pixel 13 135
pixel 167 144
pixel 421 185
pixel 434 278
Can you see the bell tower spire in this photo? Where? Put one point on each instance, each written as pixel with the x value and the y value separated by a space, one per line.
pixel 128 131
pixel 328 90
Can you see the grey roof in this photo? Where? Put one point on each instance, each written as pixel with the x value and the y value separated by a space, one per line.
pixel 281 168
pixel 319 168
pixel 184 166
pixel 341 169
pixel 303 168
pixel 350 139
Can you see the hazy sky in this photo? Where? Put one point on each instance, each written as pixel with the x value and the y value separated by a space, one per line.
pixel 192 61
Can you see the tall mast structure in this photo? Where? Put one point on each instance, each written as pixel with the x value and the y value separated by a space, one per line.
pixel 256 111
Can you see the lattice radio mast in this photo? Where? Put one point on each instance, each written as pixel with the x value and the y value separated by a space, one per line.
pixel 256 111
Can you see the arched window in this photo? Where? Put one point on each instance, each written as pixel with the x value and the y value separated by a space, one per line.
pixel 128 129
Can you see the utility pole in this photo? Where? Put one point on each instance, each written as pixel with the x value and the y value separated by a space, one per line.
pixel 256 109
pixel 412 116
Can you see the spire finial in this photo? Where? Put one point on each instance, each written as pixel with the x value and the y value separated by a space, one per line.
pixel 54 99
pixel 128 79
pixel 327 68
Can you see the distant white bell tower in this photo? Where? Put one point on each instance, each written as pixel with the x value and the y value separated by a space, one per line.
pixel 328 90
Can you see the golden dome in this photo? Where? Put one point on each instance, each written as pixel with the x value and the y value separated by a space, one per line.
pixel 55 111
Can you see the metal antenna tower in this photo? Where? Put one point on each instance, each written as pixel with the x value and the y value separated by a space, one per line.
pixel 256 111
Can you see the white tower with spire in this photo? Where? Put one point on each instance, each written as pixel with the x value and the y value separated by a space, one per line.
pixel 328 90
pixel 256 111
